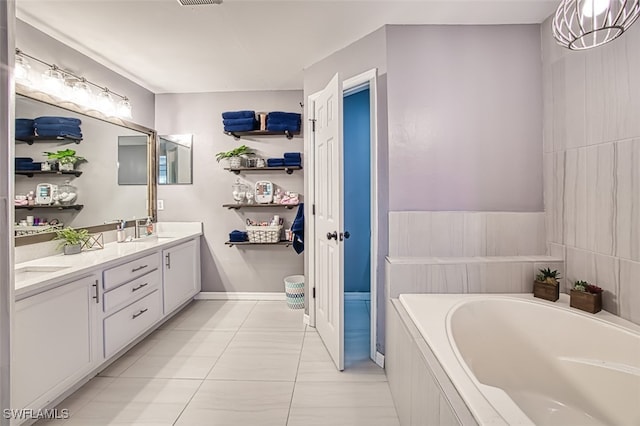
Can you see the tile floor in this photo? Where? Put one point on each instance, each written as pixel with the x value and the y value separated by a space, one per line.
pixel 236 363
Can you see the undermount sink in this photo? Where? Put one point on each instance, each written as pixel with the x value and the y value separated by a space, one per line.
pixel 30 272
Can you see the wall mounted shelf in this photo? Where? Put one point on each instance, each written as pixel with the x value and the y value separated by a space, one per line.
pixel 238 135
pixel 62 139
pixel 53 207
pixel 247 243
pixel 288 170
pixel 256 205
pixel 31 173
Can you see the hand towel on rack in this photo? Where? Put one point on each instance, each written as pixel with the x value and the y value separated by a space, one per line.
pixel 58 120
pixel 239 128
pixel 283 116
pixel 59 133
pixel 238 114
pixel 292 155
pixel 297 229
pixel 238 121
pixel 292 163
pixel 291 127
pixel 57 127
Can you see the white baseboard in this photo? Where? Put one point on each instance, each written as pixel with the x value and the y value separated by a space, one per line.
pixel 380 359
pixel 239 295
pixel 357 296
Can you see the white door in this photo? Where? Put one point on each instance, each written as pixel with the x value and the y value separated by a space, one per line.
pixel 329 271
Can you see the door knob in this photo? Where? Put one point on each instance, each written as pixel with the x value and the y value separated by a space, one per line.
pixel 346 235
pixel 333 235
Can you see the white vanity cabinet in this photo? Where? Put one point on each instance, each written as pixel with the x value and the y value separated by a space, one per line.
pixel 56 341
pixel 181 273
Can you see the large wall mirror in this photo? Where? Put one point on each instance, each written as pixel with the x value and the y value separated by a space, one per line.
pixel 91 193
pixel 175 156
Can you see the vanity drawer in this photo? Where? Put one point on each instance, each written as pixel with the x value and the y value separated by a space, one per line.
pixel 121 274
pixel 131 291
pixel 125 325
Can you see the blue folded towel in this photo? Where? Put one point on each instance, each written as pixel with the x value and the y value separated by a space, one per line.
pixel 58 120
pixel 238 121
pixel 28 166
pixel 238 114
pixel 240 128
pixel 56 133
pixel 292 163
pixel 24 134
pixel 275 162
pixel 292 127
pixel 238 236
pixel 292 155
pixel 297 228
pixel 24 122
pixel 58 127
pixel 279 115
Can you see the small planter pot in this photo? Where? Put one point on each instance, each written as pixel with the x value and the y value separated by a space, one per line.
pixel 72 249
pixel 546 291
pixel 235 162
pixel 588 302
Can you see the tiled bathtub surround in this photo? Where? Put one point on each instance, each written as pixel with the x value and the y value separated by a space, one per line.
pixel 458 234
pixel 501 274
pixel 592 165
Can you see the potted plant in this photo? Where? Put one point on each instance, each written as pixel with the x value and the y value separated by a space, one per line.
pixel 66 159
pixel 546 285
pixel 234 156
pixel 586 297
pixel 72 239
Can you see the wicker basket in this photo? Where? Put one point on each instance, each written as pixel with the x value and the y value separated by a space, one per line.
pixel 264 234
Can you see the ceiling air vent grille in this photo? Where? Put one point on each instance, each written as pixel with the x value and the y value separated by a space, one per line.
pixel 198 2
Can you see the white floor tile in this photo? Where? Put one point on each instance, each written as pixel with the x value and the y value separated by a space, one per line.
pixel 342 394
pixel 215 315
pixel 170 367
pixel 274 316
pixel 325 371
pixel 343 416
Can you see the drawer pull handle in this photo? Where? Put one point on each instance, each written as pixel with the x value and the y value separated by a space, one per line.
pixel 139 268
pixel 139 287
pixel 97 293
pixel 168 262
pixel 140 313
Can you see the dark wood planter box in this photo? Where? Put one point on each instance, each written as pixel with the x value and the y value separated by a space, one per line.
pixel 546 291
pixel 588 302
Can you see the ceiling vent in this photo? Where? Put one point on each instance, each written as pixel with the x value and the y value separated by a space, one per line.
pixel 198 2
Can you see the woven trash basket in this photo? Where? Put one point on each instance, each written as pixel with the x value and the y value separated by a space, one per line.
pixel 294 288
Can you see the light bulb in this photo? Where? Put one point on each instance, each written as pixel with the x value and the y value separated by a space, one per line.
pixel 82 94
pixel 124 108
pixel 592 8
pixel 104 102
pixel 53 81
pixel 22 70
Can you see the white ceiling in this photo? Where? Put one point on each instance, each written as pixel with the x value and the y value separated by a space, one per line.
pixel 242 44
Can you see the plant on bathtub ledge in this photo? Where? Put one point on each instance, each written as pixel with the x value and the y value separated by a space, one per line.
pixel 586 297
pixel 546 285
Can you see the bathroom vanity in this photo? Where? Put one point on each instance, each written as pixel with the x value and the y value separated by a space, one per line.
pixel 76 314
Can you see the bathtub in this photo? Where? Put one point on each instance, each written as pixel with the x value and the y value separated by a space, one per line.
pixel 517 360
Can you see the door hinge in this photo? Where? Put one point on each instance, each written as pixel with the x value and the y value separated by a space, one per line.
pixel 314 293
pixel 313 124
pixel 313 209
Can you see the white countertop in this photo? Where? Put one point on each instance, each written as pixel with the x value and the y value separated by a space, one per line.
pixel 48 272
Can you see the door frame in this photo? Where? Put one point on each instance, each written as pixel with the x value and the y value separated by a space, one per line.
pixel 368 77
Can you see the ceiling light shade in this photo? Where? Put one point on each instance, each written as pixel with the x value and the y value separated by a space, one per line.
pixel 22 71
pixel 584 24
pixel 104 102
pixel 124 108
pixel 198 2
pixel 53 81
pixel 81 93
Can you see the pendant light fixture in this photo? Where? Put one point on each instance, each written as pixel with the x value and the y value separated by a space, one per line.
pixel 584 24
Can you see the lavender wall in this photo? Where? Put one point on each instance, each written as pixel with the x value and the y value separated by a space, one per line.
pixel 465 118
pixel 592 158
pixel 236 269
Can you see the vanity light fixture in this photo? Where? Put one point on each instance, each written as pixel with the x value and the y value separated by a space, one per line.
pixel 68 86
pixel 584 24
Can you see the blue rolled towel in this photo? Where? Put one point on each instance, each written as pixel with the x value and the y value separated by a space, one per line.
pixel 24 122
pixel 292 163
pixel 58 120
pixel 279 115
pixel 238 114
pixel 292 155
pixel 275 162
pixel 240 128
pixel 238 236
pixel 238 121
pixel 283 127
pixel 24 134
